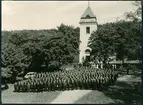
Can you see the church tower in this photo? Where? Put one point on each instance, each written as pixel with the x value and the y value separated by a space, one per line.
pixel 88 24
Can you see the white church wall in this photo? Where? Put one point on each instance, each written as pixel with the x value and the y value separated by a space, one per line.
pixel 84 37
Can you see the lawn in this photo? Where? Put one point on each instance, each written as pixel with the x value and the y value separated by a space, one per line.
pixel 8 96
pixel 127 90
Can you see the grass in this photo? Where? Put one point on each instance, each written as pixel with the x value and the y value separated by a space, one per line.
pixel 125 91
pixel 8 96
pixel 128 90
pixel 94 97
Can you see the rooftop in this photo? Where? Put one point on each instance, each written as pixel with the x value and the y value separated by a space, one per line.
pixel 88 13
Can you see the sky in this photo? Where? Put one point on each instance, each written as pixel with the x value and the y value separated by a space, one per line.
pixel 18 15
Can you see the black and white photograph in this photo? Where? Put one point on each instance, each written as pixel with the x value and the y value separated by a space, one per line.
pixel 71 52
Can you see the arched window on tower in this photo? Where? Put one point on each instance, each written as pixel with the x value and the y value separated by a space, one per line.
pixel 87 51
pixel 88 30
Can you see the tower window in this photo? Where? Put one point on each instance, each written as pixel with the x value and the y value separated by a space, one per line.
pixel 88 30
pixel 87 51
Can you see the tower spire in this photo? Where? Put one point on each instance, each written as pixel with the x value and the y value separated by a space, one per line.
pixel 88 3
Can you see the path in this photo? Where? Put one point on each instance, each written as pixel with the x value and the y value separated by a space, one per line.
pixel 70 96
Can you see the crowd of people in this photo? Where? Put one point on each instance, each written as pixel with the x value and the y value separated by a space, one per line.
pixel 81 78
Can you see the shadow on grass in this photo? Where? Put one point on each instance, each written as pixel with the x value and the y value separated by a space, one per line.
pixel 125 92
pixel 94 97
pixel 129 91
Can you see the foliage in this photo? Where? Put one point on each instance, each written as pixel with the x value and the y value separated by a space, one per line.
pixel 101 43
pixel 39 50
pixel 82 78
pixel 71 37
pixel 12 60
pixel 135 15
pixel 121 39
pixel 6 73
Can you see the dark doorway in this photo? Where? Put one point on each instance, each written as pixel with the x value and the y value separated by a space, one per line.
pixel 87 58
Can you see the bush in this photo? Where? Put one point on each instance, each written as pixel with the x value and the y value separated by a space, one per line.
pixel 4 86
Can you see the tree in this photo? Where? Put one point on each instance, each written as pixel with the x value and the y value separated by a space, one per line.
pixel 71 37
pixel 12 59
pixel 135 15
pixel 39 50
pixel 121 38
pixel 102 42
pixel 6 74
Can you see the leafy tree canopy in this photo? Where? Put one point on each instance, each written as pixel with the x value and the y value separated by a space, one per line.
pixel 39 50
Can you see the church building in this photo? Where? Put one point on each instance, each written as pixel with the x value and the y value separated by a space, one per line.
pixel 88 24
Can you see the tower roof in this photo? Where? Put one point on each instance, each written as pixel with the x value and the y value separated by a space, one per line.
pixel 88 16
pixel 88 12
